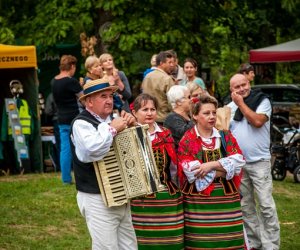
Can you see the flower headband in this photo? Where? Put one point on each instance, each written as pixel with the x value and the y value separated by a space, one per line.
pixel 195 100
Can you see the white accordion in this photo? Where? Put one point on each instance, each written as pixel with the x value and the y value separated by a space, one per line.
pixel 128 170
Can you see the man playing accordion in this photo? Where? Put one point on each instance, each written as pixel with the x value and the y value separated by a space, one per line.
pixel 92 134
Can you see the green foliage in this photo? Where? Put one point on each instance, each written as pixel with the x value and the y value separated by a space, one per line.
pixel 51 22
pixel 287 73
pixel 290 5
pixel 218 34
pixel 6 34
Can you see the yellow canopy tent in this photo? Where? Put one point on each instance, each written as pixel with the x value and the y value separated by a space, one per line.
pixel 12 57
pixel 20 63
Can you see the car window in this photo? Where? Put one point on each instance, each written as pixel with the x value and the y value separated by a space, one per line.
pixel 273 96
pixel 290 95
pixel 276 94
pixel 282 95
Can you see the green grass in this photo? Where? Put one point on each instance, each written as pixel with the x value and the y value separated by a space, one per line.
pixel 38 212
pixel 287 198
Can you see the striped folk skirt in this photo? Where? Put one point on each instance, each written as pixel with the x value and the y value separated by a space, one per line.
pixel 213 222
pixel 158 222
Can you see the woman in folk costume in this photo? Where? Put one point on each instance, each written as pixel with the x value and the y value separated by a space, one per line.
pixel 209 171
pixel 158 218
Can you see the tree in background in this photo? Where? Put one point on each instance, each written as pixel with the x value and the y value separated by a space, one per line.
pixel 218 34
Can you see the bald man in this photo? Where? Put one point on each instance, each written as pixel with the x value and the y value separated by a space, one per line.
pixel 250 124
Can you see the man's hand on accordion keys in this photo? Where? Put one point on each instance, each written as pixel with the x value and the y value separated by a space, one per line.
pixel 126 120
pixel 130 119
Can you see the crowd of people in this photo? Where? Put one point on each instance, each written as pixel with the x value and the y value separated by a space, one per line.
pixel 217 182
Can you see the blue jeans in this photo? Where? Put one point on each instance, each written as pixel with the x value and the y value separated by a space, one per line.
pixel 65 153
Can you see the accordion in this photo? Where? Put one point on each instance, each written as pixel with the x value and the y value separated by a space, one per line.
pixel 129 169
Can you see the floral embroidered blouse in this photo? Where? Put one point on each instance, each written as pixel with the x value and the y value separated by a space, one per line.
pixel 165 156
pixel 192 151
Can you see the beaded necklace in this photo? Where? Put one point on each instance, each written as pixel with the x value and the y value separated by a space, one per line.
pixel 209 145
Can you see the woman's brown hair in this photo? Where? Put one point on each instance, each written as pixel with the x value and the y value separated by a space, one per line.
pixel 142 99
pixel 245 68
pixel 66 62
pixel 192 61
pixel 203 99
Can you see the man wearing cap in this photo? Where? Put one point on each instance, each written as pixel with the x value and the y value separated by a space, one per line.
pixel 92 133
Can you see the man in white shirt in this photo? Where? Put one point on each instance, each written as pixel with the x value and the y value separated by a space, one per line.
pixel 250 124
pixel 92 133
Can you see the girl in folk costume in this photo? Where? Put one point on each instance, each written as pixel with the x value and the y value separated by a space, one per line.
pixel 210 164
pixel 158 219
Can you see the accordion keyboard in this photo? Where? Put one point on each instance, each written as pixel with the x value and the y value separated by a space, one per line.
pixel 128 170
pixel 111 180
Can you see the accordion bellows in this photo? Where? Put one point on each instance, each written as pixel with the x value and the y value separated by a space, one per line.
pixel 129 169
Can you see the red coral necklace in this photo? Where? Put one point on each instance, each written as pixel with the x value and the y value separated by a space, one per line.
pixel 209 145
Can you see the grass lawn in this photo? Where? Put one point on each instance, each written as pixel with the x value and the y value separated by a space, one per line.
pixel 287 197
pixel 38 212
